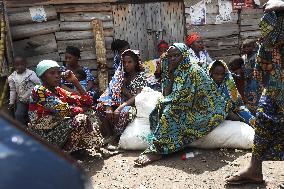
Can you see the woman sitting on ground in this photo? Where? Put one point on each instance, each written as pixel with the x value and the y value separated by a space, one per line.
pixel 72 56
pixel 60 117
pixel 190 109
pixel 197 52
pixel 221 75
pixel 116 106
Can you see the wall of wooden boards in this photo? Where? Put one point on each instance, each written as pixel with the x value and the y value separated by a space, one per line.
pixel 223 40
pixel 67 24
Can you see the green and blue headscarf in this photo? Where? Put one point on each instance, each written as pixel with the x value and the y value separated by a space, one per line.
pixel 45 65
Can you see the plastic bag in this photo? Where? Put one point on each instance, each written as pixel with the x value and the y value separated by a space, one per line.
pixel 230 134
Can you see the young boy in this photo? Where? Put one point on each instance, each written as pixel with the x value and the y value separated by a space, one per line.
pixel 21 83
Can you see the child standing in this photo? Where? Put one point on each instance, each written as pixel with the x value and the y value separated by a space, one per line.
pixel 21 83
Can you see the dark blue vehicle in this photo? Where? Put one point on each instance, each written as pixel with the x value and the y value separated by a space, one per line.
pixel 27 162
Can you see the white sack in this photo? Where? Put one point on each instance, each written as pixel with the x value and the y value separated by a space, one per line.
pixel 230 134
pixel 135 135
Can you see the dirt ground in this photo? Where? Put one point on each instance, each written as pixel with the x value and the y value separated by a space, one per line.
pixel 206 170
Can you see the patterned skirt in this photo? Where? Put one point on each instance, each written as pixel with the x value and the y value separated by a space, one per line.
pixel 269 129
pixel 126 116
pixel 80 132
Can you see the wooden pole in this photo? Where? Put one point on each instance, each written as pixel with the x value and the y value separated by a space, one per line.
pixel 98 33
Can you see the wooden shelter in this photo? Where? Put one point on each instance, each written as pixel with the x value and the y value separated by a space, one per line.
pixel 142 23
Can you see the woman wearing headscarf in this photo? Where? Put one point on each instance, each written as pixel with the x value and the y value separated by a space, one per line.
pixel 269 129
pixel 226 86
pixel 190 109
pixel 62 118
pixel 197 52
pixel 72 56
pixel 116 108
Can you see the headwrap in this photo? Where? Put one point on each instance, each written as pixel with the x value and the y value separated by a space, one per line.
pixel 163 44
pixel 45 65
pixel 73 51
pixel 191 38
pixel 112 95
pixel 227 82
pixel 165 62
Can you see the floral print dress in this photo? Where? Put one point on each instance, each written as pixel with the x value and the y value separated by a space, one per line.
pixel 64 119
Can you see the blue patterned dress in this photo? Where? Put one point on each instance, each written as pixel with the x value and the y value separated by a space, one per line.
pixel 192 110
pixel 230 93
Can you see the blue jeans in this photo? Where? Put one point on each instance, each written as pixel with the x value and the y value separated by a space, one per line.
pixel 21 113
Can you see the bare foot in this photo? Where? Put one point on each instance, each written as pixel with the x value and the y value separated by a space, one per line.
pixel 147 159
pixel 247 176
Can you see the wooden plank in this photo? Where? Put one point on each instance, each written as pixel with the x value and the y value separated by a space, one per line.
pixel 83 8
pixel 247 34
pixel 17 10
pixel 250 22
pixel 215 31
pixel 249 28
pixel 77 26
pixel 88 34
pixel 85 16
pixel 82 44
pixel 36 45
pixel 89 55
pixel 29 30
pixel 33 61
pixel 221 43
pixel 25 17
pixel 224 52
pixel 28 3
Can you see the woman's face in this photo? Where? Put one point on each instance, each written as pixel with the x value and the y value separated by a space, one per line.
pixel 218 74
pixel 71 59
pixel 129 64
pixel 52 77
pixel 198 45
pixel 175 57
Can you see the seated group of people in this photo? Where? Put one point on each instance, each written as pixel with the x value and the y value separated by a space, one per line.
pixel 198 95
pixel 64 107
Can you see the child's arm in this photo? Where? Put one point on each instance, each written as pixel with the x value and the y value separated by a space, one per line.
pixel 34 78
pixel 13 93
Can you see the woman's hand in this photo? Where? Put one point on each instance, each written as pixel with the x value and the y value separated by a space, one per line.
pixel 116 113
pixel 70 76
pixel 109 113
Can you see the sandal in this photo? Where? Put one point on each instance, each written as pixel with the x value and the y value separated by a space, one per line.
pixel 239 180
pixel 144 160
